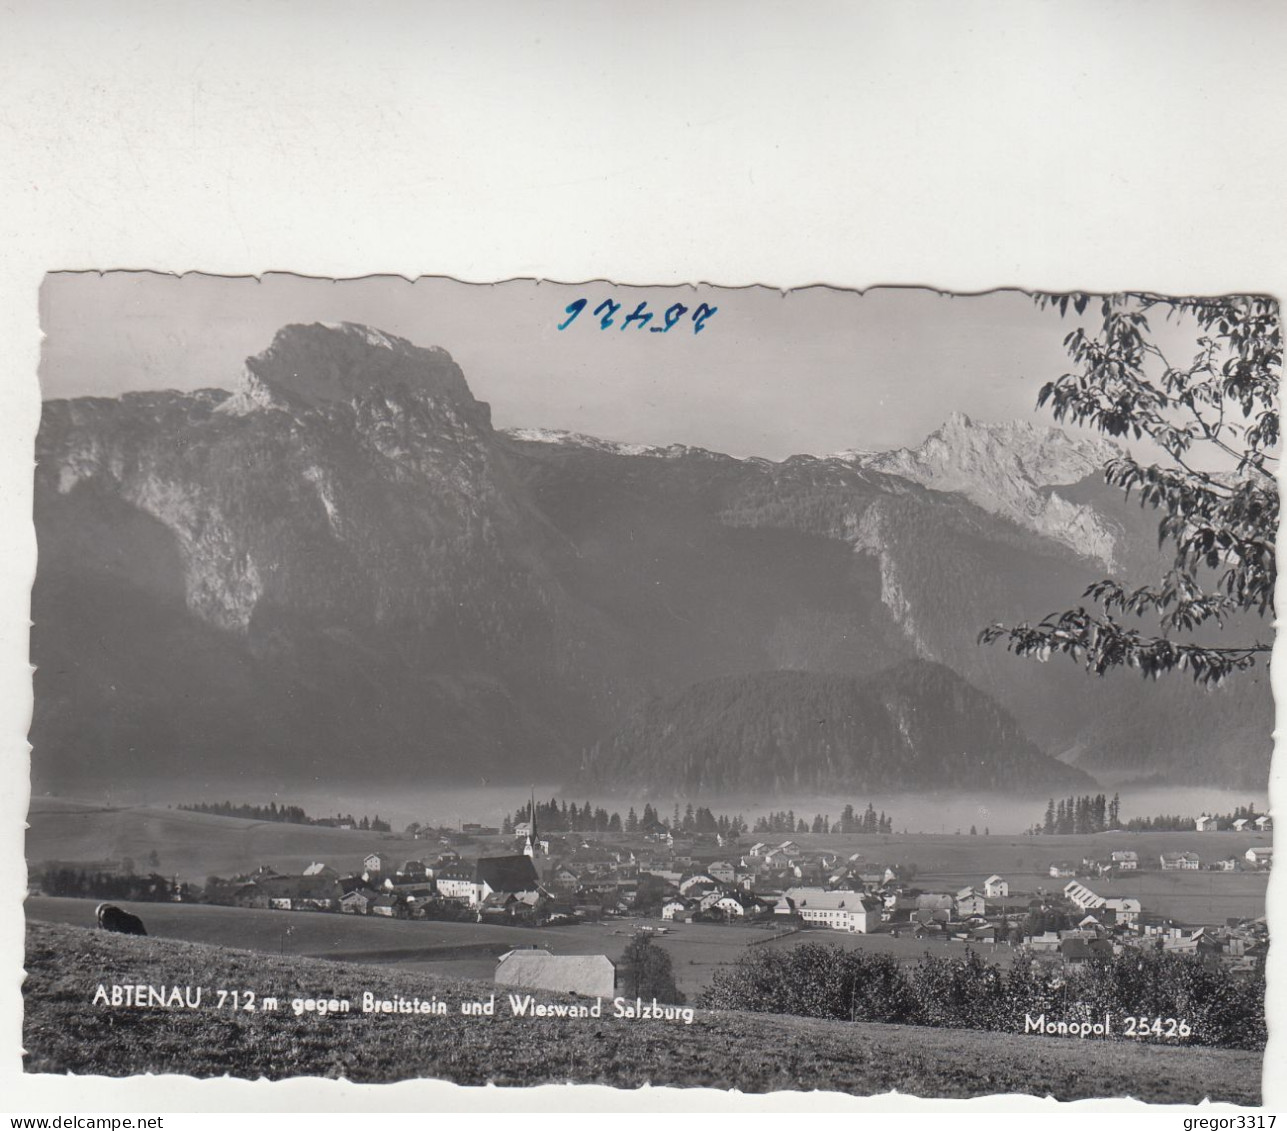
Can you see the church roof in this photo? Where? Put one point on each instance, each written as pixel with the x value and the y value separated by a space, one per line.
pixel 507 873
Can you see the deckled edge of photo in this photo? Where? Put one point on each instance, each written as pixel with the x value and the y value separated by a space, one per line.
pixel 118 189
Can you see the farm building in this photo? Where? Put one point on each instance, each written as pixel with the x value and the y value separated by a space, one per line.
pixel 1082 896
pixel 357 901
pixel 1180 861
pixel 1124 860
pixel 1260 857
pixel 591 975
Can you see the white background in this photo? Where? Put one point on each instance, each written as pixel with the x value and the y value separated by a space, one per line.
pixel 1094 145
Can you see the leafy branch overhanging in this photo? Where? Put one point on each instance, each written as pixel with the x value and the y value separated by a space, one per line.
pixel 1215 416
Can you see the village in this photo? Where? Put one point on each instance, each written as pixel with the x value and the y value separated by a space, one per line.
pixel 656 883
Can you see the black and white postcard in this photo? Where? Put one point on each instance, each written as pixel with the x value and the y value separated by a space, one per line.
pixel 739 688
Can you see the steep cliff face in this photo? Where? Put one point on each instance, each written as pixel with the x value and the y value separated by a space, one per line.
pixel 375 584
pixel 341 569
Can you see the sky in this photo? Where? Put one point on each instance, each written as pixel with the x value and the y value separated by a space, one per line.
pixel 770 374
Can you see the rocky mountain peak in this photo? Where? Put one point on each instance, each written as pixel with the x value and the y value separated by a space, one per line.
pixel 322 363
pixel 1009 468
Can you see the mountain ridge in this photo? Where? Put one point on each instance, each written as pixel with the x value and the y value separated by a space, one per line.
pixel 343 560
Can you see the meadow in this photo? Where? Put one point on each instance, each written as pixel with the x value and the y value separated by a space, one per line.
pixel 64 1031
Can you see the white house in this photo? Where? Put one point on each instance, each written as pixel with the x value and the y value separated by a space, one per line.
pixel 1128 910
pixel 1206 824
pixel 1260 857
pixel 1264 824
pixel 1240 825
pixel 994 887
pixel 674 908
pixel 737 905
pixel 968 903
pixel 837 910
pixel 455 883
pixel 1124 860
pixel 376 862
pixel 1180 861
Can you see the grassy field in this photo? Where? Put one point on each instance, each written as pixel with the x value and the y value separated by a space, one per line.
pixel 469 950
pixel 196 845
pixel 64 1032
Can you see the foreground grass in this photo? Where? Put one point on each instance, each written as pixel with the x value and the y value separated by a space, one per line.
pixel 64 1032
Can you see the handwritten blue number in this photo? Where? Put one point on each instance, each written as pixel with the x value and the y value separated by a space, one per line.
pixel 611 307
pixel 673 315
pixel 572 310
pixel 637 316
pixel 699 318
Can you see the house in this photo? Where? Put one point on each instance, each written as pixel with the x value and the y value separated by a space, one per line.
pixel 1180 861
pixel 494 874
pixel 1126 910
pixel 837 910
pixel 589 975
pixel 738 905
pixel 320 869
pixel 1260 857
pixel 1045 943
pixel 1063 868
pixel 676 908
pixel 1229 865
pixel 1124 860
pixel 1076 951
pixel 455 882
pixel 723 871
pixel 940 906
pixel 377 862
pixel 969 902
pixel 564 878
pixel 1264 824
pixel 1206 824
pixel 388 905
pixel 994 887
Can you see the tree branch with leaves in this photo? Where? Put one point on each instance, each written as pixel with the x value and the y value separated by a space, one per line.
pixel 1215 420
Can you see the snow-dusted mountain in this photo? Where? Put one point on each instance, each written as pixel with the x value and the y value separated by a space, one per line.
pixel 341 569
pixel 1009 470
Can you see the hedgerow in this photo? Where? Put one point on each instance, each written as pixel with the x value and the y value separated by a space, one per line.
pixel 968 992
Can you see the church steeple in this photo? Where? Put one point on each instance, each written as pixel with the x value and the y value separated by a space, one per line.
pixel 533 846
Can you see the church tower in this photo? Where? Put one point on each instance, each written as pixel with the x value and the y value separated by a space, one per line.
pixel 532 846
